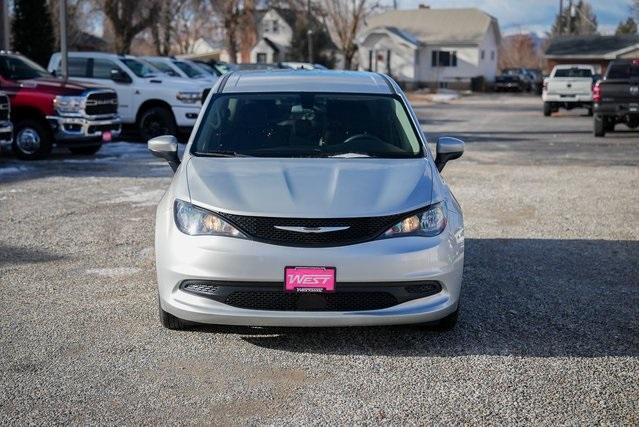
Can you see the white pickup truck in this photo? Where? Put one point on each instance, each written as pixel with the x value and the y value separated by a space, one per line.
pixel 569 86
pixel 156 103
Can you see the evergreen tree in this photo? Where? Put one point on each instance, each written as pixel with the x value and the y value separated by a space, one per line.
pixel 576 20
pixel 32 30
pixel 628 27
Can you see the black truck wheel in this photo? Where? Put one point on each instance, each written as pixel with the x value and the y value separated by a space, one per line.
pixel 32 141
pixel 547 109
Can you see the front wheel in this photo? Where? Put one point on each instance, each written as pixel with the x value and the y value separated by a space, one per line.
pixel 169 321
pixel 445 324
pixel 85 151
pixel 156 121
pixel 547 109
pixel 32 140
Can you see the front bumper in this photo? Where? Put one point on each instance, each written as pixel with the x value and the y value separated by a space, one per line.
pixel 400 260
pixel 6 134
pixel 185 116
pixel 83 129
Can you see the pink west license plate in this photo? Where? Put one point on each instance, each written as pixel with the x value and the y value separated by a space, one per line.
pixel 107 136
pixel 309 279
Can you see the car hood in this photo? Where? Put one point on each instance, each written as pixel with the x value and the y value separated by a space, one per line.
pixel 57 86
pixel 309 188
pixel 181 83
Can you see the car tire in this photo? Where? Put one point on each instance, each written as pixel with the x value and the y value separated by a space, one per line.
pixel 547 109
pixel 600 126
pixel 85 151
pixel 444 324
pixel 32 140
pixel 169 321
pixel 609 125
pixel 156 121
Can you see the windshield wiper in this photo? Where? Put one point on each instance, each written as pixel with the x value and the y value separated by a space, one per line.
pixel 221 153
pixel 351 155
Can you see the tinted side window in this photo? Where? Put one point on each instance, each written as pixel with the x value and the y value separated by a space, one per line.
pixel 623 71
pixel 78 67
pixel 102 68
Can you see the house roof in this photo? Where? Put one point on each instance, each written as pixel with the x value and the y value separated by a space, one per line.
pixel 437 26
pixel 593 46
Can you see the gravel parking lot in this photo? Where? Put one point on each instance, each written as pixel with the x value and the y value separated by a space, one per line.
pixel 548 333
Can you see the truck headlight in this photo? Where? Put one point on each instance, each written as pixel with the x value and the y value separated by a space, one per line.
pixel 189 97
pixel 68 104
pixel 195 221
pixel 429 222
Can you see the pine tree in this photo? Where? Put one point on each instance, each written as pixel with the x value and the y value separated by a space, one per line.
pixel 32 30
pixel 576 20
pixel 628 27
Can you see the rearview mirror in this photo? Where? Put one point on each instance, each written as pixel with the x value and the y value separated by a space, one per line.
pixel 165 147
pixel 448 149
pixel 120 76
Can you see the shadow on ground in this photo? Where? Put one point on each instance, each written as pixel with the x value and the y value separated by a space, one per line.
pixel 522 297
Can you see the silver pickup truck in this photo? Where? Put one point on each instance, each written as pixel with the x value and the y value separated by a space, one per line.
pixel 569 86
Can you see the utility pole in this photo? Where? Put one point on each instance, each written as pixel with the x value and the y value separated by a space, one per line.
pixel 309 31
pixel 4 20
pixel 64 51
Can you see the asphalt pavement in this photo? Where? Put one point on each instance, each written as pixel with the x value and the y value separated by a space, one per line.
pixel 549 325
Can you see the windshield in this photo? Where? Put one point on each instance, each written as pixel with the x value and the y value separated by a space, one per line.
pixel 188 69
pixel 307 125
pixel 573 72
pixel 14 67
pixel 139 68
pixel 623 71
pixel 166 69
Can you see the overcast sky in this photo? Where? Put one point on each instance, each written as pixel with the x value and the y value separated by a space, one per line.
pixel 531 15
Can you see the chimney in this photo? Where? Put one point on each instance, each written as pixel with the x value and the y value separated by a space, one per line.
pixel 424 6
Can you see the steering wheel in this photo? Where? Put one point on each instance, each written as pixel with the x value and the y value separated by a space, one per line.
pixel 363 136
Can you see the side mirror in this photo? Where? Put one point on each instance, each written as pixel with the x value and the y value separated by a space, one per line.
pixel 119 76
pixel 165 147
pixel 448 149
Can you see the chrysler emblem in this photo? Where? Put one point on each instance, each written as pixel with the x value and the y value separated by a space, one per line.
pixel 311 229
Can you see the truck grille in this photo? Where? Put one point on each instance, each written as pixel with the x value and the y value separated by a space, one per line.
pixel 359 229
pixel 101 103
pixel 4 107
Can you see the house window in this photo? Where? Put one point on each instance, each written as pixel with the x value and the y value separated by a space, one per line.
pixel 483 54
pixel 492 55
pixel 276 26
pixel 444 58
pixel 261 58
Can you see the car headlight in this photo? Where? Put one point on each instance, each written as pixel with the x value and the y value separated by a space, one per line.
pixel 189 97
pixel 430 222
pixel 68 104
pixel 196 221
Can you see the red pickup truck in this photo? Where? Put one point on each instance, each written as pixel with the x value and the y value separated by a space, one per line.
pixel 48 111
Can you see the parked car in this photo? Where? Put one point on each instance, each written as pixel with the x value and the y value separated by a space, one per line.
pixel 156 104
pixel 180 68
pixel 616 97
pixel 48 110
pixel 318 206
pixel 537 79
pixel 569 86
pixel 261 66
pixel 509 81
pixel 6 128
pixel 218 68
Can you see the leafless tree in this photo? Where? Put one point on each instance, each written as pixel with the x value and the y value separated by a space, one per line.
pixel 345 19
pixel 238 20
pixel 129 18
pixel 519 51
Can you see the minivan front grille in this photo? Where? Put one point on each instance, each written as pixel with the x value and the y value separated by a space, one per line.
pixel 348 231
pixel 101 103
pixel 4 107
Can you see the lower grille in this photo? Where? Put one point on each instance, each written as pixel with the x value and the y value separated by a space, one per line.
pixel 103 128
pixel 101 103
pixel 339 301
pixel 348 297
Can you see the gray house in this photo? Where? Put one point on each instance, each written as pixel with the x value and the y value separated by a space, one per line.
pixel 443 48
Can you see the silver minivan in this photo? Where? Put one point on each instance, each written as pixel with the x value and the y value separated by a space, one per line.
pixel 308 198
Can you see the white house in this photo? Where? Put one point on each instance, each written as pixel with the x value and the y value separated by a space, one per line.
pixel 431 47
pixel 275 29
